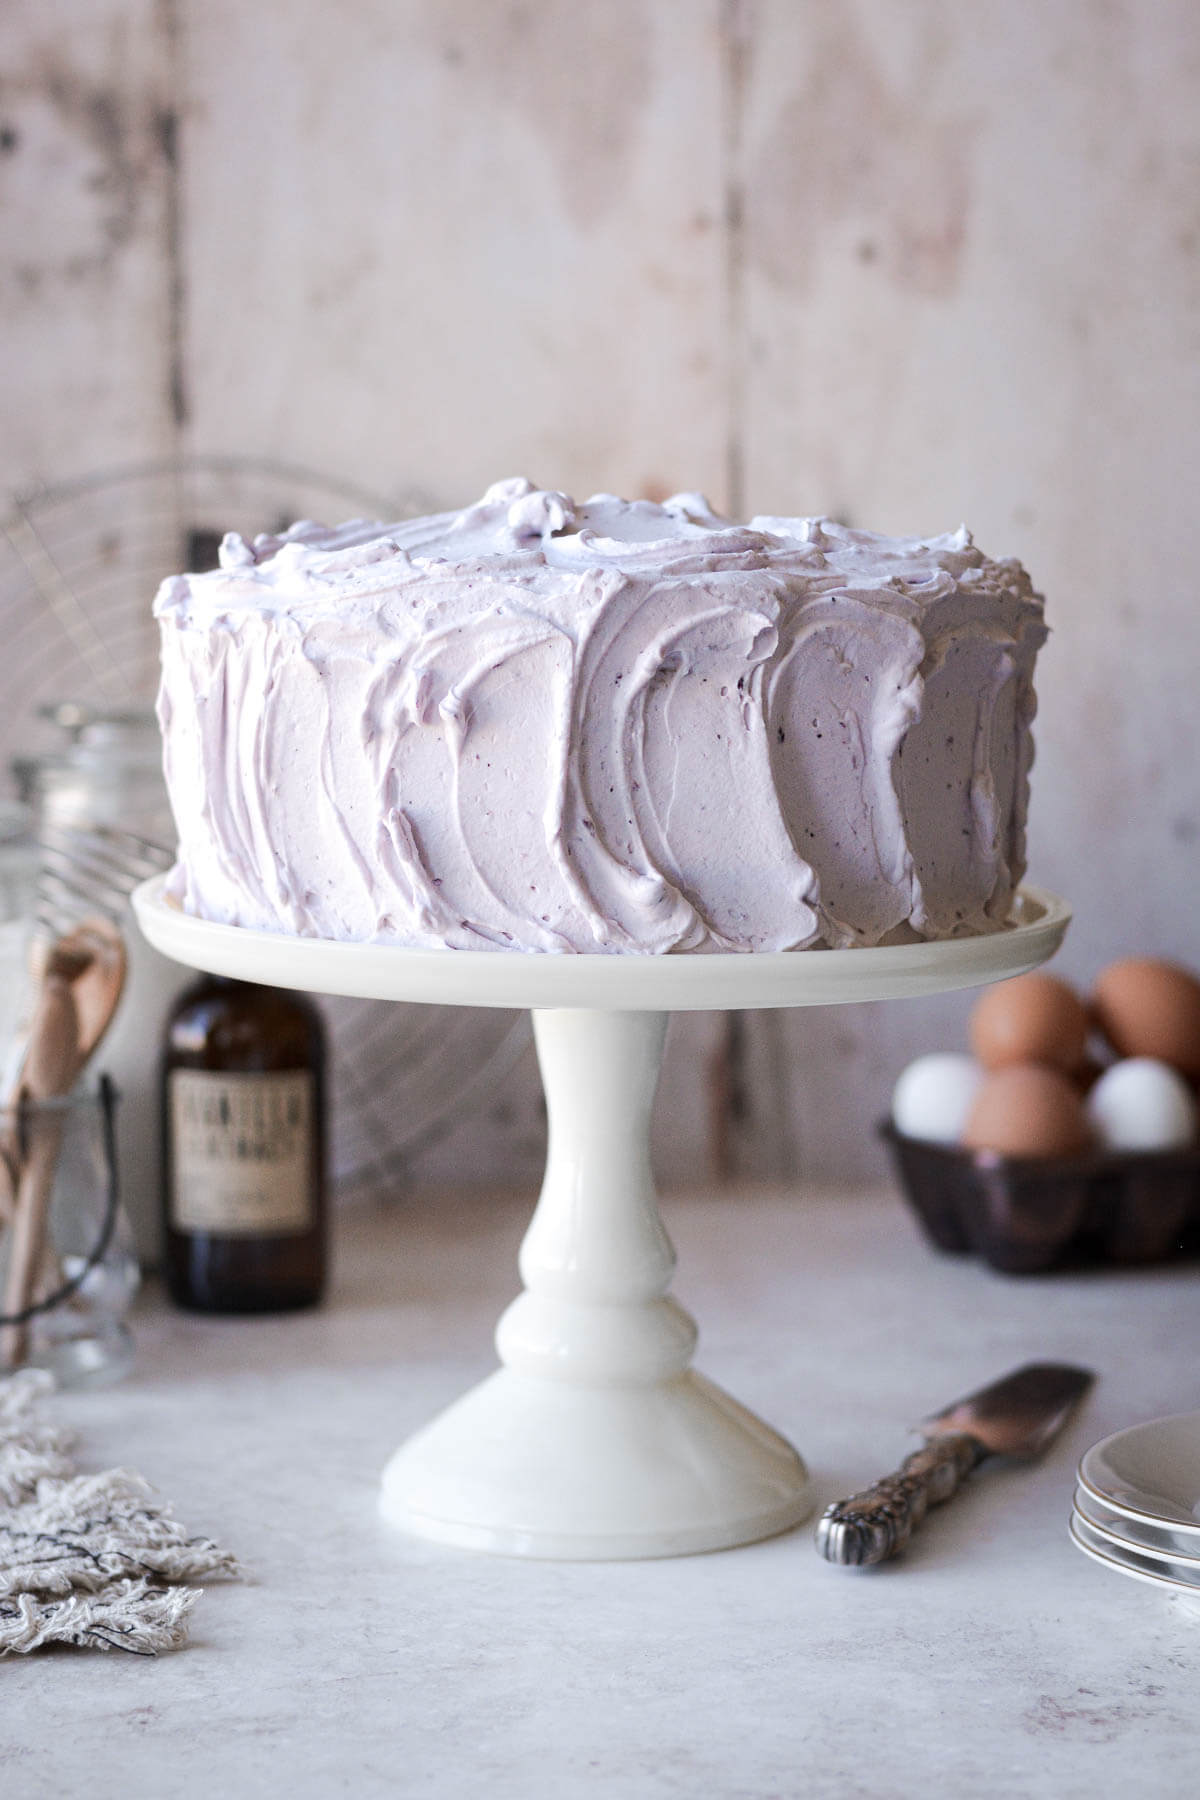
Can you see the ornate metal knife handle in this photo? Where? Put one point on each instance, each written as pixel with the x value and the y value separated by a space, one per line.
pixel 869 1526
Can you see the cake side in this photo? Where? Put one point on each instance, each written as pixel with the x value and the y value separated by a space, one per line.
pixel 617 727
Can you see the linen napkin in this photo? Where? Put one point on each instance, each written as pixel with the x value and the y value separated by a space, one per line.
pixel 94 1560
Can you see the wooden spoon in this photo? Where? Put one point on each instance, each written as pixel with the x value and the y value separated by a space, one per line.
pixel 98 984
pixel 81 987
pixel 10 1174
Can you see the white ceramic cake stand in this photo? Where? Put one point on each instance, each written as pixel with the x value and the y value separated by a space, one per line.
pixel 596 1438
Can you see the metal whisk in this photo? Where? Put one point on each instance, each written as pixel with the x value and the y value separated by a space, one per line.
pixel 91 870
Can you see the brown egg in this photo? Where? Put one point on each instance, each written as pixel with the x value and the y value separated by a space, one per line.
pixel 1146 1007
pixel 1031 1019
pixel 1027 1110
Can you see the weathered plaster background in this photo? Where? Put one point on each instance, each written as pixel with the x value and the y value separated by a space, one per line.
pixel 905 261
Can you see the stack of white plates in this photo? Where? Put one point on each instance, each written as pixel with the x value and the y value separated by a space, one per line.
pixel 1137 1505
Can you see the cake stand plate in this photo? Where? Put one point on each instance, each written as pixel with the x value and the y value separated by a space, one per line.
pixel 596 1438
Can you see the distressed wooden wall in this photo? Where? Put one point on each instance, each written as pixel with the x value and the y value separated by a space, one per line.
pixel 905 261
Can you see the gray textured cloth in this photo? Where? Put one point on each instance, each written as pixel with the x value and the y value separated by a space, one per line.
pixel 94 1560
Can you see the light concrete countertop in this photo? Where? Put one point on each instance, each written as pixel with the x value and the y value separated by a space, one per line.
pixel 993 1659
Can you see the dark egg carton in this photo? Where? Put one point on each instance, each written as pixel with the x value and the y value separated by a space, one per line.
pixel 1026 1215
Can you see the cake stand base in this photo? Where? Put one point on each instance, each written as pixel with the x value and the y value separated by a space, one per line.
pixel 526 1467
pixel 595 1438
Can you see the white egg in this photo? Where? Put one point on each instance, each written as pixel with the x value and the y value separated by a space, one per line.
pixel 934 1096
pixel 1141 1104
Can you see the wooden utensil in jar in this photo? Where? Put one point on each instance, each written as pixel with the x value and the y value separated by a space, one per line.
pixel 82 982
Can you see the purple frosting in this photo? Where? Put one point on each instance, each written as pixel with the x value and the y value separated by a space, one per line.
pixel 612 727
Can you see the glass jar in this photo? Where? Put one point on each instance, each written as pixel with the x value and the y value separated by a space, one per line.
pixel 105 776
pixel 74 1322
pixel 106 772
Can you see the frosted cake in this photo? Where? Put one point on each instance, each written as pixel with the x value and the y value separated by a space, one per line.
pixel 609 727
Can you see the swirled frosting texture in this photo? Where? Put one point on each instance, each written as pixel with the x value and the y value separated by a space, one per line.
pixel 614 727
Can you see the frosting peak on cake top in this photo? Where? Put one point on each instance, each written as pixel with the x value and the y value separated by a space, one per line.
pixel 538 533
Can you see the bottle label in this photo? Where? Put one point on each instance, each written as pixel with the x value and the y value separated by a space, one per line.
pixel 241 1153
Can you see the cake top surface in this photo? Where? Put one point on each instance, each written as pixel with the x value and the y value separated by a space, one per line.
pixel 540 539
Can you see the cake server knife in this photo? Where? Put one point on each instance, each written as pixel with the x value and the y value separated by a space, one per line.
pixel 1017 1416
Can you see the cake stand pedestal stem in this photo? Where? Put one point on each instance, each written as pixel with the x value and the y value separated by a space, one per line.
pixel 596 1261
pixel 596 1438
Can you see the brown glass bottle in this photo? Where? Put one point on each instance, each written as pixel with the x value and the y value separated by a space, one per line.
pixel 243 1120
